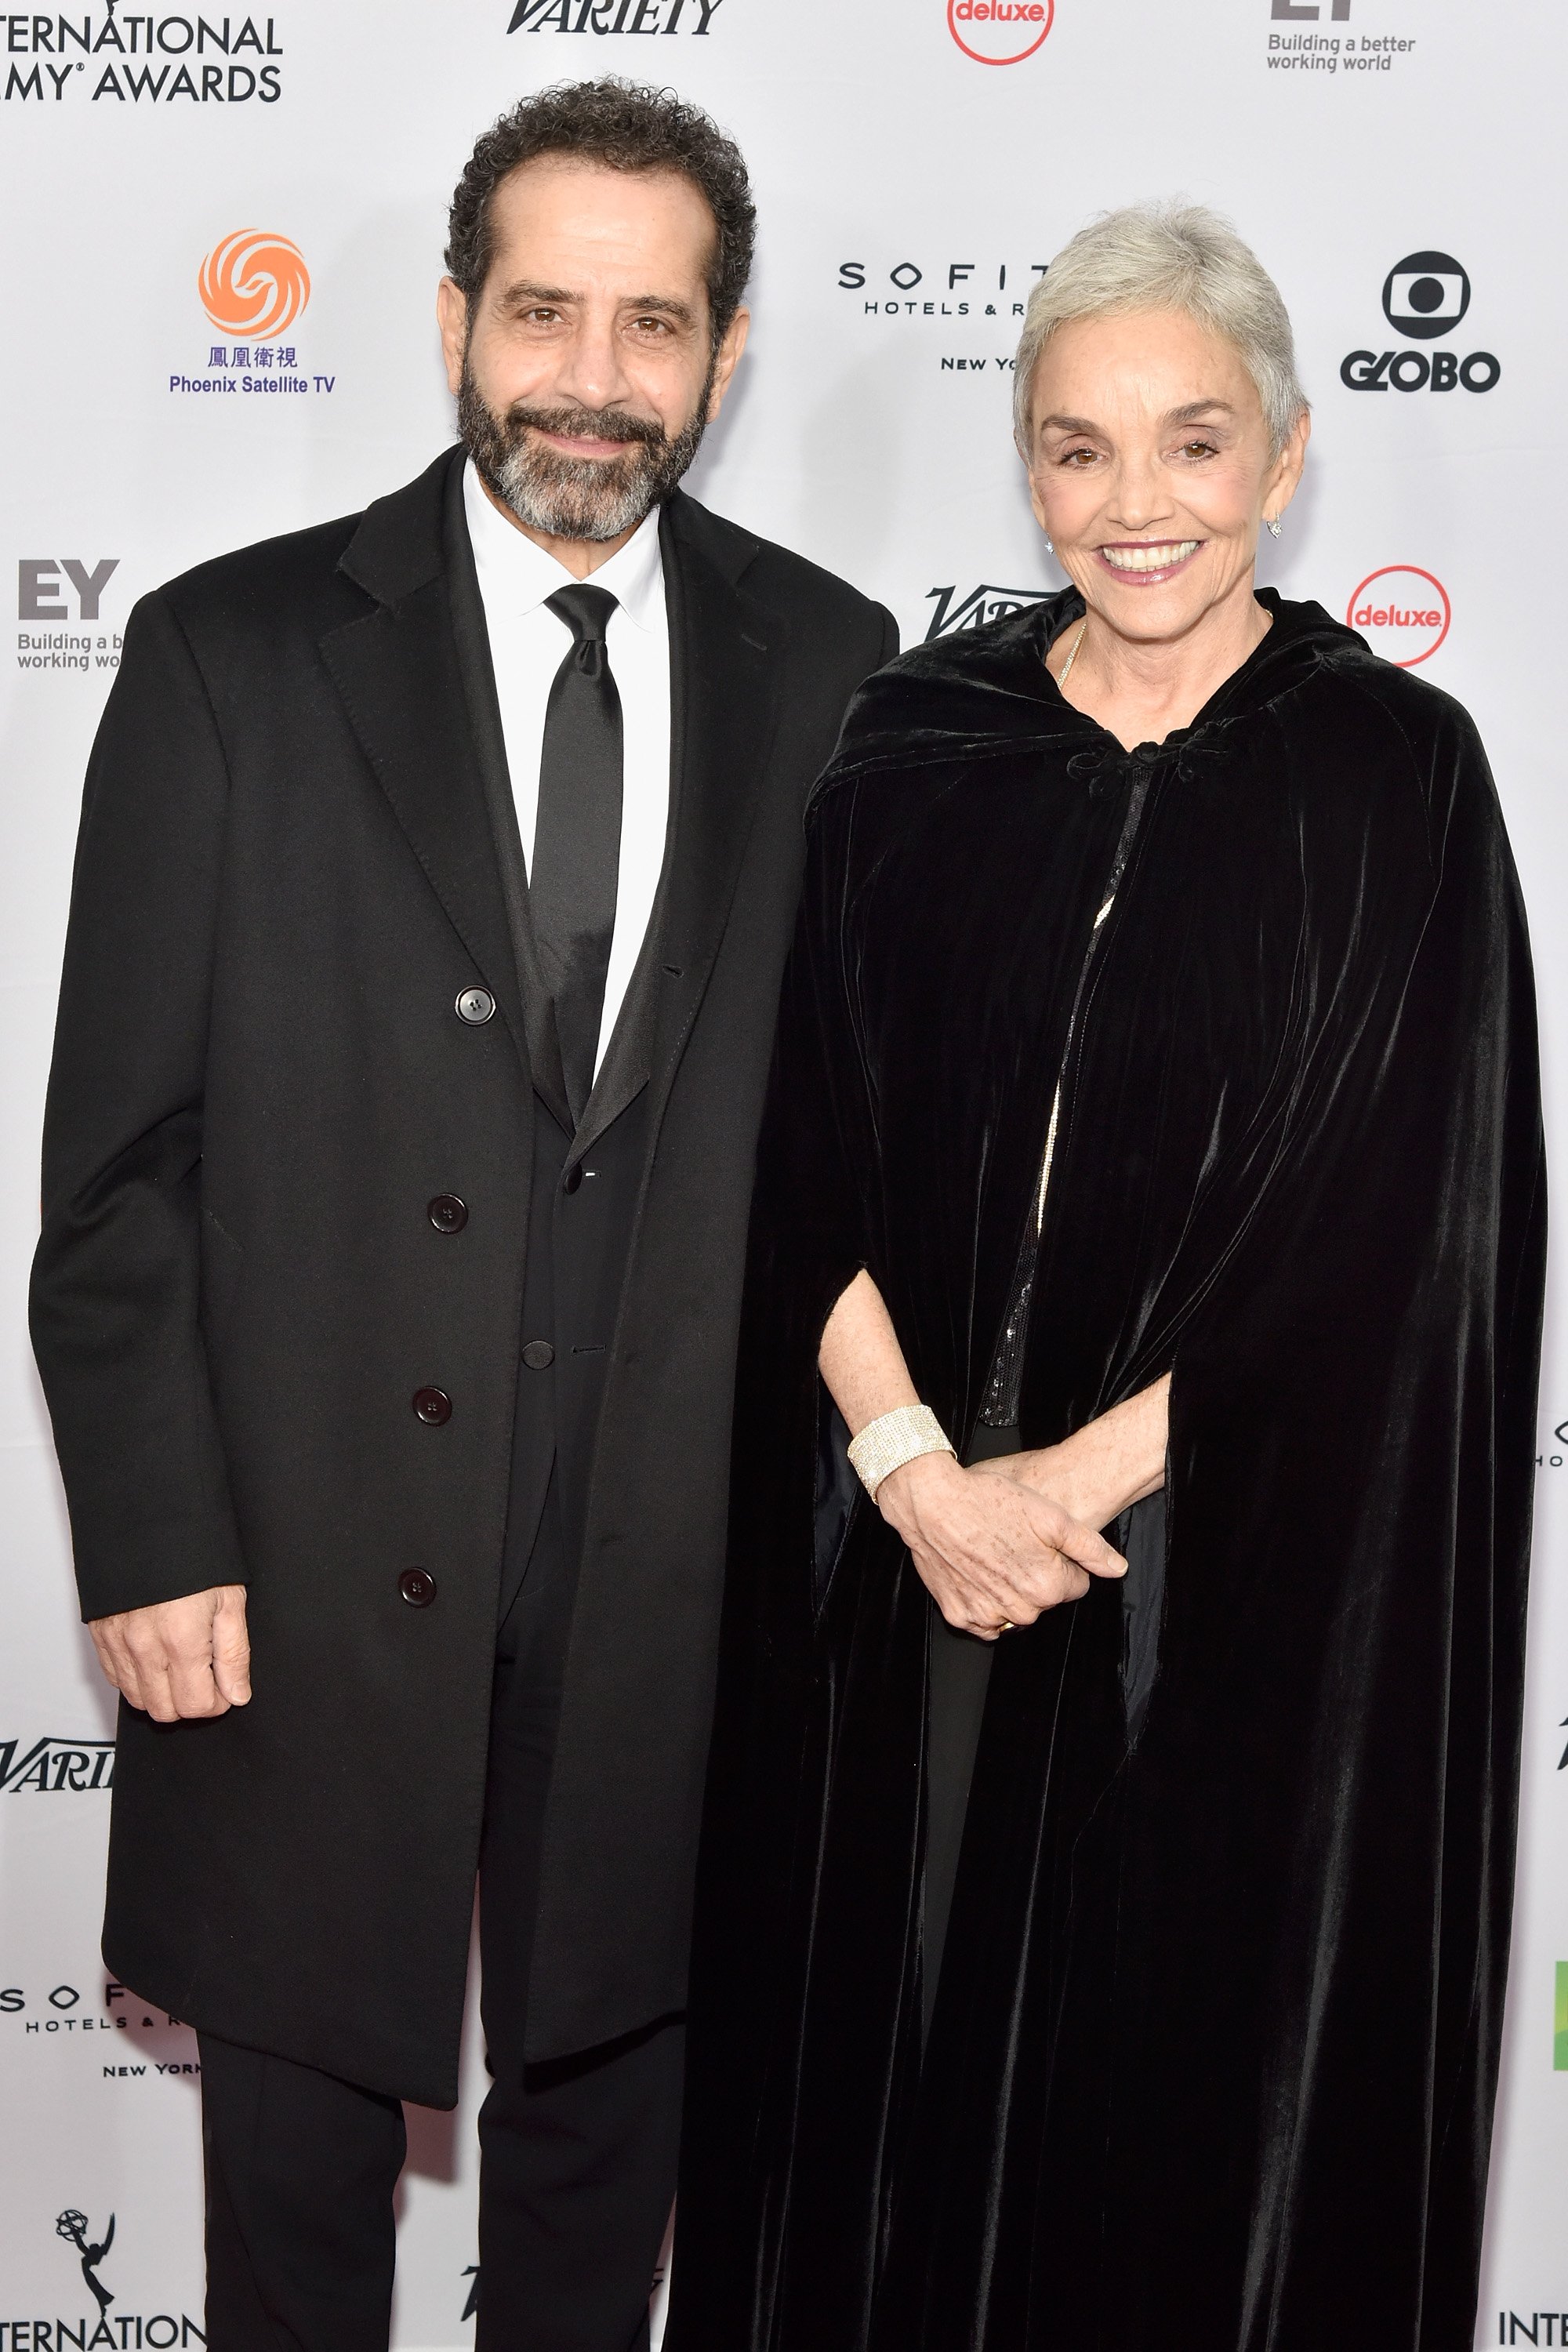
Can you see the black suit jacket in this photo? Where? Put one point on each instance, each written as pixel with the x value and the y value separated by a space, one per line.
pixel 297 851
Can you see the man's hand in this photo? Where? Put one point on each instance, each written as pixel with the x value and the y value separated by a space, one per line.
pixel 991 1552
pixel 179 1658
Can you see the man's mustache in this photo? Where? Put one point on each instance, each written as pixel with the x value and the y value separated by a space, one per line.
pixel 585 423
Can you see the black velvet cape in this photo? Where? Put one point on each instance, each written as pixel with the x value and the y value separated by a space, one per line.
pixel 1214 2056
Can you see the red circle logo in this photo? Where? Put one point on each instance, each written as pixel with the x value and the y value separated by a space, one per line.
pixel 1000 32
pixel 1402 612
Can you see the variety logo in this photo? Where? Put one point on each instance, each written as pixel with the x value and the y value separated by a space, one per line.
pixel 981 606
pixel 1424 296
pixel 255 283
pixel 1402 611
pixel 143 60
pixel 609 16
pixel 1000 32
pixel 51 1766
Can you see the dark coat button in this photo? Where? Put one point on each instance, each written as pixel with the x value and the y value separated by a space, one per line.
pixel 417 1586
pixel 538 1355
pixel 475 1005
pixel 573 1178
pixel 433 1405
pixel 447 1213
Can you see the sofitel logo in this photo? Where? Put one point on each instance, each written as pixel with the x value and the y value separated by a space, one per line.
pixel 1000 32
pixel 1405 610
pixel 981 606
pixel 1424 296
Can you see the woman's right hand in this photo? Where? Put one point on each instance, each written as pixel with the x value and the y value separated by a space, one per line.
pixel 991 1552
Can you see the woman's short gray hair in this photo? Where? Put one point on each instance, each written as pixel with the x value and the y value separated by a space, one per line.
pixel 1168 256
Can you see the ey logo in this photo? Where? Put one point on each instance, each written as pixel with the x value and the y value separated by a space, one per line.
pixel 38 584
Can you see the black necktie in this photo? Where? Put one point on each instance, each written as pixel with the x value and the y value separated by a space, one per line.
pixel 578 833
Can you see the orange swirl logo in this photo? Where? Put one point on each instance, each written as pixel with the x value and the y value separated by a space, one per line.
pixel 255 283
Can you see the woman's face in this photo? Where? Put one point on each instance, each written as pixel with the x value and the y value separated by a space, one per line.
pixel 1149 468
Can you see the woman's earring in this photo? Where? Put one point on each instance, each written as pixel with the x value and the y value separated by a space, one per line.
pixel 1051 547
pixel 1275 526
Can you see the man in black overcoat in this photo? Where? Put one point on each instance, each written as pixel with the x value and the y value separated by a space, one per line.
pixel 436 874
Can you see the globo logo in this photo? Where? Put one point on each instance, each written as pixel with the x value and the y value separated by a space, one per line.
pixel 1000 32
pixel 1402 612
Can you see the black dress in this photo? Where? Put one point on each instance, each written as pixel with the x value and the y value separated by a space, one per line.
pixel 1212 2064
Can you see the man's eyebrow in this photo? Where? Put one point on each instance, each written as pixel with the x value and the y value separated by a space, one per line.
pixel 525 290
pixel 673 306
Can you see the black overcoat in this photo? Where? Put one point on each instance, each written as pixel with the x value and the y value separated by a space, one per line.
pixel 287 874
pixel 1214 2047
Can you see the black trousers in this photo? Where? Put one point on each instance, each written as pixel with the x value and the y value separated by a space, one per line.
pixel 578 2157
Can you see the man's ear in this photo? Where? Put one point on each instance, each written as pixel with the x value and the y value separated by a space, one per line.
pixel 452 316
pixel 732 344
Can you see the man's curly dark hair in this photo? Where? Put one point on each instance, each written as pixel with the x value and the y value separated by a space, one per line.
pixel 630 127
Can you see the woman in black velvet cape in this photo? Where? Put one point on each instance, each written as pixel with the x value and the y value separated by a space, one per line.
pixel 1212 2062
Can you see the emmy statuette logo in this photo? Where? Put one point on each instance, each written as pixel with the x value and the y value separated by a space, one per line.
pixel 73 2227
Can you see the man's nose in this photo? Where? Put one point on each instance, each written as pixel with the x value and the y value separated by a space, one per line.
pixel 593 372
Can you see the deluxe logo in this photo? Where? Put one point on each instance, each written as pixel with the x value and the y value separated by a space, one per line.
pixel 1000 32
pixel 1403 611
pixel 610 16
pixel 255 283
pixel 981 606
pixel 1424 296
pixel 51 1766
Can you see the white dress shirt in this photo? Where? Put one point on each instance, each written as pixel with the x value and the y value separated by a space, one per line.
pixel 527 647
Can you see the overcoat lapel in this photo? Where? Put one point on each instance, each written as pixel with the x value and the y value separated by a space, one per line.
pixel 722 721
pixel 728 652
pixel 398 673
pixel 472 634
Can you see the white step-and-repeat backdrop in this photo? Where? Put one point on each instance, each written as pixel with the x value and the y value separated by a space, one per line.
pixel 1397 163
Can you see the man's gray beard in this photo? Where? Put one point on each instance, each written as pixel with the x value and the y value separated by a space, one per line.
pixel 576 498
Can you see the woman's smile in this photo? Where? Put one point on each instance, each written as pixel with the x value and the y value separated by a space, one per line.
pixel 1146 563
